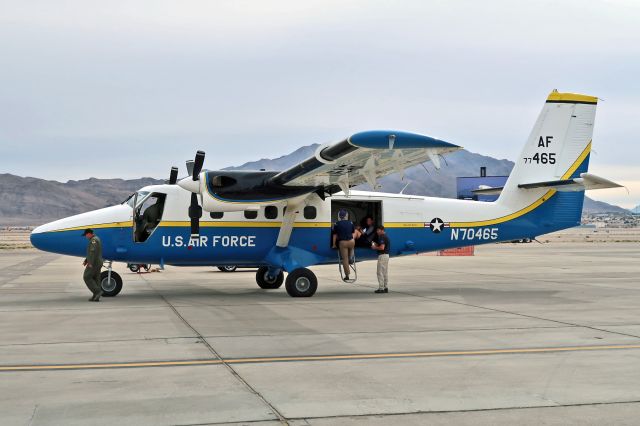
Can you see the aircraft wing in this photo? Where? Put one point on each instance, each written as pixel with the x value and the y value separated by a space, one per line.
pixel 364 158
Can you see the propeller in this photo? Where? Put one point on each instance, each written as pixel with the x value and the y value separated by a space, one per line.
pixel 173 176
pixel 195 211
pixel 197 165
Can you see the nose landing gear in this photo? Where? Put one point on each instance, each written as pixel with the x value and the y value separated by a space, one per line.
pixel 110 282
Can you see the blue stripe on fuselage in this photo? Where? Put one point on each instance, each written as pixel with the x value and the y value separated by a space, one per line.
pixel 251 245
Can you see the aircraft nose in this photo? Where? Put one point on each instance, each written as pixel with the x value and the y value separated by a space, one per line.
pixel 190 185
pixel 54 238
pixel 39 238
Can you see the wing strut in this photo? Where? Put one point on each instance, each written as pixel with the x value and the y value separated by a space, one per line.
pixel 293 208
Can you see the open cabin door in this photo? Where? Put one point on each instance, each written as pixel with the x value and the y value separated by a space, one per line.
pixel 147 214
pixel 359 211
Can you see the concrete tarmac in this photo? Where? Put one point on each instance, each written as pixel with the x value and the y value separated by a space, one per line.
pixel 526 333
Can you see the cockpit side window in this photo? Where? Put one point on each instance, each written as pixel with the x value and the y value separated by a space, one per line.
pixel 147 214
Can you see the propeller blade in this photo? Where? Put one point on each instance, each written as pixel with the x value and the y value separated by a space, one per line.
pixel 190 167
pixel 195 227
pixel 195 213
pixel 173 176
pixel 197 165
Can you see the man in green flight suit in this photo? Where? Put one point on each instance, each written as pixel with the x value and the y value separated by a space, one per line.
pixel 92 265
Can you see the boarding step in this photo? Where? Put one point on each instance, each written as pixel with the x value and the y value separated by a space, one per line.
pixel 353 274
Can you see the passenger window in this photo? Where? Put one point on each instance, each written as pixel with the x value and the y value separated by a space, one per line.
pixel 271 212
pixel 309 212
pixel 250 214
pixel 216 215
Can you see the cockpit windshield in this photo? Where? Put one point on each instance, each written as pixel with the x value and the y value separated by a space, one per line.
pixel 136 197
pixel 129 200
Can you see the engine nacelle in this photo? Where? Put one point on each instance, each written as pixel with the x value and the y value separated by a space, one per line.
pixel 211 204
pixel 239 190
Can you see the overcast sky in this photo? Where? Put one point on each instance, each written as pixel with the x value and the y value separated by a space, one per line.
pixel 130 88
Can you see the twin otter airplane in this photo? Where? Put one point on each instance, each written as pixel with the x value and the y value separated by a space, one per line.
pixel 281 221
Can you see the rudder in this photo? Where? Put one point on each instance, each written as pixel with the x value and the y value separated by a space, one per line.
pixel 558 148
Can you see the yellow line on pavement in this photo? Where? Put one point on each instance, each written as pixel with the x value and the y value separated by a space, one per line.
pixel 307 358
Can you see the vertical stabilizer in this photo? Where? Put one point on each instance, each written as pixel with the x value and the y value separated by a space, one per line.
pixel 557 148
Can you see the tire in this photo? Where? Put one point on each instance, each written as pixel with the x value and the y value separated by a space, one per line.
pixel 228 268
pixel 301 283
pixel 110 289
pixel 263 282
pixel 134 267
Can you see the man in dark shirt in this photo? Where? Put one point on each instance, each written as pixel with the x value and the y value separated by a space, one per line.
pixel 92 265
pixel 368 232
pixel 382 245
pixel 343 232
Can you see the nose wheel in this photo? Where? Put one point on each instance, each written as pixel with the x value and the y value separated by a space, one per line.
pixel 301 283
pixel 111 283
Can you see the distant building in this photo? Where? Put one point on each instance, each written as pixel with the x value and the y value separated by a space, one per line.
pixel 466 185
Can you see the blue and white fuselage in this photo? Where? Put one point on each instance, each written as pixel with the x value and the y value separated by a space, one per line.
pixel 544 193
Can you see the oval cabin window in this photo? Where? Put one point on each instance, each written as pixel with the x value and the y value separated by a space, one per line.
pixel 271 212
pixel 309 212
pixel 250 214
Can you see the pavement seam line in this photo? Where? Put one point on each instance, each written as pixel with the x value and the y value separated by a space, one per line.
pixel 19 268
pixel 224 336
pixel 233 372
pixel 510 313
pixel 527 407
pixel 535 317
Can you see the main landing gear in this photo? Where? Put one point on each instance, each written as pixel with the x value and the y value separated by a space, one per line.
pixel 110 281
pixel 267 279
pixel 299 283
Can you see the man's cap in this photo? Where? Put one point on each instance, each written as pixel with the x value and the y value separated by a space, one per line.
pixel 87 231
pixel 342 213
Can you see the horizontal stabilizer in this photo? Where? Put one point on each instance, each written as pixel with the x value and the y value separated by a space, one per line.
pixel 586 181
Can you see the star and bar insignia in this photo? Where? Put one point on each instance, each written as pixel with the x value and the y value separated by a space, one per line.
pixel 437 225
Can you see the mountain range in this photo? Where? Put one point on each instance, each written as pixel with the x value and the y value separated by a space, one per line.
pixel 32 201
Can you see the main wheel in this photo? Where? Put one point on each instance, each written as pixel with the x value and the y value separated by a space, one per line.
pixel 134 267
pixel 110 288
pixel 228 268
pixel 301 283
pixel 265 281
